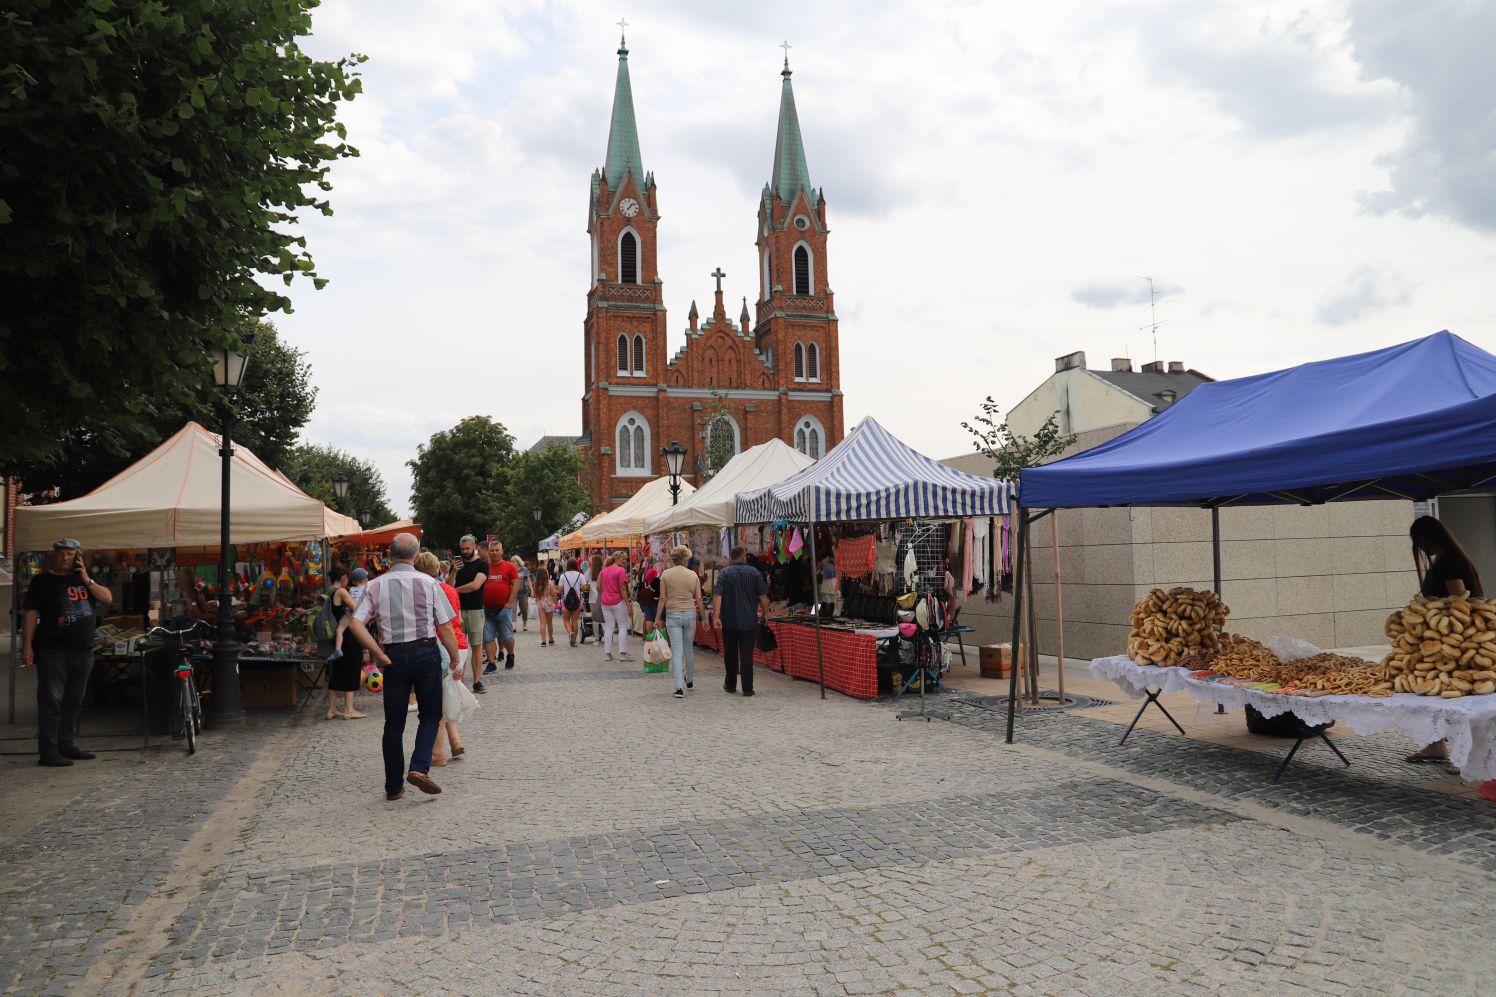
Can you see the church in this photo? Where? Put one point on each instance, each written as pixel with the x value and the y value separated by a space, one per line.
pixel 729 384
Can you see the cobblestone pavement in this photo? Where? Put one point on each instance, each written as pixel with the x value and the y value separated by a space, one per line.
pixel 601 837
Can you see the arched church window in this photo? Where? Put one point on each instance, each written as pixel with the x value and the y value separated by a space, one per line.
pixel 802 270
pixel 628 259
pixel 631 458
pixel 623 355
pixel 809 436
pixel 799 362
pixel 638 447
pixel 812 362
pixel 638 356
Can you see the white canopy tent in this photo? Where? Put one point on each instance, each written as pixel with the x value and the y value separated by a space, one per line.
pixel 715 503
pixel 171 498
pixel 628 519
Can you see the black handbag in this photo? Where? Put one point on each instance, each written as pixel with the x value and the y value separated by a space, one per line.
pixel 767 642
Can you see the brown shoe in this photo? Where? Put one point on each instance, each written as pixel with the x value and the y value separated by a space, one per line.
pixel 392 797
pixel 423 782
pixel 458 748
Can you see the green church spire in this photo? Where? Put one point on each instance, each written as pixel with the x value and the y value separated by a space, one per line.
pixel 623 135
pixel 791 175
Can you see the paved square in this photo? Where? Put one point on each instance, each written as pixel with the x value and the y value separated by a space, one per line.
pixel 601 837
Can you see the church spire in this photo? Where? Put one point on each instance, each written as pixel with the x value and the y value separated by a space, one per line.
pixel 623 134
pixel 791 175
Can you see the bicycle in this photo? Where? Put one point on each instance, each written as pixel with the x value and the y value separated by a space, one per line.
pixel 189 699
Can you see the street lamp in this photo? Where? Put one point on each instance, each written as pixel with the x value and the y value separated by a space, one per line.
pixel 675 459
pixel 224 705
pixel 340 488
pixel 537 512
pixel 366 519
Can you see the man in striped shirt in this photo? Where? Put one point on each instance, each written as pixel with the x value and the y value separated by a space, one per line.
pixel 412 614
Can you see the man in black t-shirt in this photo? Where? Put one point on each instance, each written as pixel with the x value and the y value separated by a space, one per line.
pixel 57 637
pixel 468 577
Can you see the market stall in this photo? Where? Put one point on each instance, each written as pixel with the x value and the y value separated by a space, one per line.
pixel 157 524
pixel 1413 421
pixel 876 500
pixel 627 521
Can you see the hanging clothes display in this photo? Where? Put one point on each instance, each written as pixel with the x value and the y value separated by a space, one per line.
pixel 856 556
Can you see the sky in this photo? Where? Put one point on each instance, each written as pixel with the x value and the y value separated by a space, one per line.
pixel 1301 181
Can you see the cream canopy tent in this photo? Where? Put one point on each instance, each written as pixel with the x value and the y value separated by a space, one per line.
pixel 628 519
pixel 171 498
pixel 715 503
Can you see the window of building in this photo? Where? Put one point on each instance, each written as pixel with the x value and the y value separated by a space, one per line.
pixel 638 356
pixel 623 356
pixel 722 442
pixel 803 283
pixel 810 435
pixel 812 362
pixel 631 457
pixel 628 259
pixel 799 362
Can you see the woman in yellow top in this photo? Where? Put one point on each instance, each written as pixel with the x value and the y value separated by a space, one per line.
pixel 679 611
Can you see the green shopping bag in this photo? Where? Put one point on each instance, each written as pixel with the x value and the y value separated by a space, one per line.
pixel 656 652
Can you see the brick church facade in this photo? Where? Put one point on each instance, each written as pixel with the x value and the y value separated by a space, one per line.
pixel 727 385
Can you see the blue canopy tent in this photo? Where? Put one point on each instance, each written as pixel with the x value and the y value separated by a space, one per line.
pixel 871 475
pixel 1412 421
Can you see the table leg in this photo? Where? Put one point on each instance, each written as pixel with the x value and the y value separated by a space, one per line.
pixel 1291 752
pixel 962 645
pixel 1153 695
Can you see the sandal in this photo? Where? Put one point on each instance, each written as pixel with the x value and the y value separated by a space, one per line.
pixel 355 715
pixel 333 714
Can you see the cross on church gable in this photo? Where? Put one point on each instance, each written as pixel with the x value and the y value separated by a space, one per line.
pixel 717 273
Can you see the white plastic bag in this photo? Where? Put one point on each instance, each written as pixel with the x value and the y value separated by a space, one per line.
pixel 1290 648
pixel 657 648
pixel 458 702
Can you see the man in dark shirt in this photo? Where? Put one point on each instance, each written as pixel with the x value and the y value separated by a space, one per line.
pixel 468 577
pixel 57 636
pixel 737 599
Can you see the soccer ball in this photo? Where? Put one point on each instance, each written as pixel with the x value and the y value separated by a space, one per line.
pixel 373 678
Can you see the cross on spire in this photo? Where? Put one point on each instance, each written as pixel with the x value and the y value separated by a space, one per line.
pixel 623 25
pixel 786 46
pixel 717 273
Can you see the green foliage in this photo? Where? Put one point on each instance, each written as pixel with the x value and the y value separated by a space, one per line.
pixel 312 467
pixel 549 478
pixel 459 480
pixel 273 404
pixel 1009 452
pixel 154 159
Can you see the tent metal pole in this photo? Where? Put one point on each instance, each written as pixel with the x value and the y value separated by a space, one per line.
pixel 1018 547
pixel 1215 546
pixel 15 638
pixel 815 598
pixel 1059 604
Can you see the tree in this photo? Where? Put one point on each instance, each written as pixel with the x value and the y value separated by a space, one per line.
pixel 165 151
pixel 549 478
pixel 1010 452
pixel 272 406
pixel 459 478
pixel 312 467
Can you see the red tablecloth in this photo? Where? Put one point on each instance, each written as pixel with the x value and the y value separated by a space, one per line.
pixel 851 659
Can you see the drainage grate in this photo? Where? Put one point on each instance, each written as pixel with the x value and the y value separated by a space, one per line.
pixel 1049 702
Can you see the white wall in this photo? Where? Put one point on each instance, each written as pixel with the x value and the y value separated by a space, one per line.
pixel 1084 402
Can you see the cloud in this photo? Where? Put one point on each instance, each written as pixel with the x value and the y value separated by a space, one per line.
pixel 1366 290
pixel 1278 80
pixel 1111 294
pixel 1439 54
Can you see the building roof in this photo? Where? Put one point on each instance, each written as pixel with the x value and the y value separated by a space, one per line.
pixel 1150 386
pixel 565 441
pixel 623 134
pixel 791 175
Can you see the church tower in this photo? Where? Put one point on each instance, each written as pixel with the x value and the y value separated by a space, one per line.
pixel 624 330
pixel 796 328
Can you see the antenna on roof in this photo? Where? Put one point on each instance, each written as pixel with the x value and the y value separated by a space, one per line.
pixel 1153 322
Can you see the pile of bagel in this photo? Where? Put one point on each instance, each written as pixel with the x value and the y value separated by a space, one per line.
pixel 1168 627
pixel 1443 647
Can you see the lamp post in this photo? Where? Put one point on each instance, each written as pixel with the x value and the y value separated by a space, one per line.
pixel 340 488
pixel 366 519
pixel 675 459
pixel 224 705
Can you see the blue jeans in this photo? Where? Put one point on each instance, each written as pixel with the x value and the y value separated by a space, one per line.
pixel 498 624
pixel 681 627
pixel 415 668
pixel 61 677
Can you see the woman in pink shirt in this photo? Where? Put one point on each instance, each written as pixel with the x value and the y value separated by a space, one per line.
pixel 613 589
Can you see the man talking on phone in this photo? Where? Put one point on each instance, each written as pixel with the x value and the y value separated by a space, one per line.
pixel 57 636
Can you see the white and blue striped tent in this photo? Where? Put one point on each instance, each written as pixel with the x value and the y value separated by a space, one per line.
pixel 871 475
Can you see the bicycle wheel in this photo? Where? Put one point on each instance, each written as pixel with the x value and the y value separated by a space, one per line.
pixel 197 707
pixel 189 727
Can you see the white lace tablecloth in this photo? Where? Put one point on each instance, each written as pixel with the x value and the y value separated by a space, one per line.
pixel 1469 723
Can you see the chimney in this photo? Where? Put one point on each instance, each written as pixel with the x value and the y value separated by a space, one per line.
pixel 1122 364
pixel 1072 361
pixel 1156 367
pixel 1176 367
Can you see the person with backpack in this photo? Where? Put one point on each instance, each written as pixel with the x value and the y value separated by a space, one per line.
pixel 526 577
pixel 545 602
pixel 328 629
pixel 572 587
